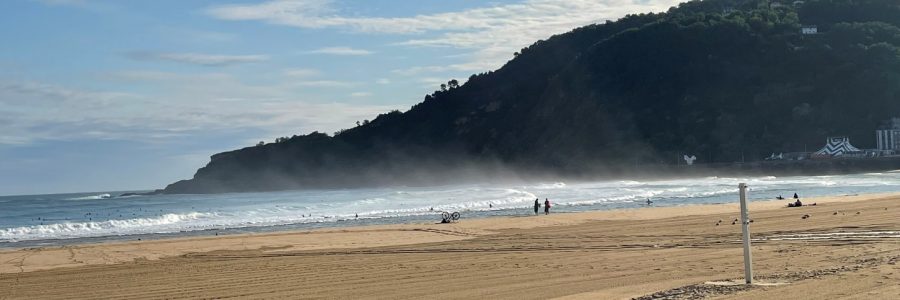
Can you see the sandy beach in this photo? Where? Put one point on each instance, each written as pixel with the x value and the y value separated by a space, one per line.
pixel 847 248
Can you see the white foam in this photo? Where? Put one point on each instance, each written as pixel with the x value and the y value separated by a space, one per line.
pixel 162 224
pixel 94 197
pixel 299 207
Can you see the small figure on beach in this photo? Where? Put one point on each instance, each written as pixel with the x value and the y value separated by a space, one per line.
pixel 779 197
pixel 796 197
pixel 490 205
pixel 546 206
pixel 537 206
pixel 649 202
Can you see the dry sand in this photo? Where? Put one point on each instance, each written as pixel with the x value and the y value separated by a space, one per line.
pixel 649 253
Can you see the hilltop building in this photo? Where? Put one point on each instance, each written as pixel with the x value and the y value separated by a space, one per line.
pixel 809 29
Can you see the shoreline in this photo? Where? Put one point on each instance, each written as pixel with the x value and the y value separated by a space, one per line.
pixel 349 222
pixel 616 254
pixel 168 246
pixel 196 216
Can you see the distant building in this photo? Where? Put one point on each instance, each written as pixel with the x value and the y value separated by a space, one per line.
pixel 810 29
pixel 799 3
pixel 838 147
pixel 888 137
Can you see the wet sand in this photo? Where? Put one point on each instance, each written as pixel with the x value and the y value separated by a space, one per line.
pixel 848 248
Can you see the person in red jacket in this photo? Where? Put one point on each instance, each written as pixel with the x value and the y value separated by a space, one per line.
pixel 546 206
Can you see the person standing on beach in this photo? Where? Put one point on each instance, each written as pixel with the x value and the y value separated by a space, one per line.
pixel 537 206
pixel 546 206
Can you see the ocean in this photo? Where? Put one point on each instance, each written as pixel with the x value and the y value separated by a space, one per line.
pixel 60 219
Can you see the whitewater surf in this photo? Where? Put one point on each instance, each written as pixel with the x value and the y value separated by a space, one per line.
pixel 70 218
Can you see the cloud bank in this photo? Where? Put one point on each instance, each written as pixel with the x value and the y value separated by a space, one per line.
pixel 188 104
pixel 341 51
pixel 198 58
pixel 491 33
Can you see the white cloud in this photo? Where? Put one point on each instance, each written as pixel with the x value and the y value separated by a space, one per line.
pixel 195 35
pixel 300 72
pixel 183 105
pixel 360 94
pixel 437 69
pixel 325 83
pixel 433 82
pixel 341 51
pixel 383 81
pixel 492 33
pixel 198 58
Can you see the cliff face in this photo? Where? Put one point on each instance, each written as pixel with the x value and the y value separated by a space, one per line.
pixel 721 79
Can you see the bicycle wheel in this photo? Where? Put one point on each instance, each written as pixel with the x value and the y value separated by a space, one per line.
pixel 455 216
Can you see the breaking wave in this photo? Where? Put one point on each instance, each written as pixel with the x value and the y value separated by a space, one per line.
pixel 162 224
pixel 93 197
pixel 48 217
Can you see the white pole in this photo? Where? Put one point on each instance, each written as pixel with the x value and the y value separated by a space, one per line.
pixel 745 224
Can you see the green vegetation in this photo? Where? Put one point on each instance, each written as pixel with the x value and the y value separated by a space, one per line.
pixel 722 79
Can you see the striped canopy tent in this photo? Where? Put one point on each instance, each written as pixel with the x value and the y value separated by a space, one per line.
pixel 837 146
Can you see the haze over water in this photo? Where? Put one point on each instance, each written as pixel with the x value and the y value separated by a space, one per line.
pixel 71 218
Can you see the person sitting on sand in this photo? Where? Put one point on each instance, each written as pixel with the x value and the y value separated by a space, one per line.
pixel 537 206
pixel 546 206
pixel 798 203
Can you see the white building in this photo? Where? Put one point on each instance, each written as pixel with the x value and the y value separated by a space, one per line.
pixel 888 138
pixel 809 29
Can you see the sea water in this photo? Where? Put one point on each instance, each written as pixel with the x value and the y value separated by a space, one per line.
pixel 38 220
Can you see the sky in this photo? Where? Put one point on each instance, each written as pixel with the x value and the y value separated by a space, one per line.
pixel 133 95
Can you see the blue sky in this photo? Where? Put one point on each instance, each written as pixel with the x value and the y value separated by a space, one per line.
pixel 123 95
